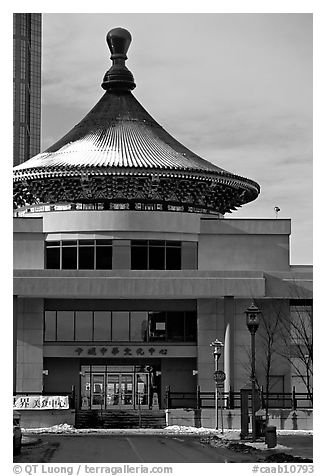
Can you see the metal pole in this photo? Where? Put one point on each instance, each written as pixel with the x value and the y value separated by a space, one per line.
pixel 221 406
pixel 139 410
pixel 216 392
pixel 253 386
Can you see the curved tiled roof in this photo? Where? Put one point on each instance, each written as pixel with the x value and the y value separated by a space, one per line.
pixel 118 138
pixel 118 132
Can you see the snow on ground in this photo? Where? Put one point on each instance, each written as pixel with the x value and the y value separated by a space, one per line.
pixel 173 429
pixel 191 429
pixel 62 428
pixel 260 445
pixel 295 432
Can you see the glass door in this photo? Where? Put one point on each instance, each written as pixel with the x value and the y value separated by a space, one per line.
pixel 102 388
pixel 113 391
pixel 127 390
pixel 120 390
pixel 98 391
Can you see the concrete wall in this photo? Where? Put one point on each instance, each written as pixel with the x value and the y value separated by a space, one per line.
pixel 295 284
pixel 29 345
pixel 28 251
pixel 282 419
pixel 223 244
pixel 243 252
pixel 125 225
pixel 46 418
pixel 135 284
pixel 28 243
pixel 232 244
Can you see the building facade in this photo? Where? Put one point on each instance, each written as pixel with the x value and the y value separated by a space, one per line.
pixel 125 268
pixel 27 28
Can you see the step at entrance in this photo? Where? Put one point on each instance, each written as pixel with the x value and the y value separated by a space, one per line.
pixel 120 419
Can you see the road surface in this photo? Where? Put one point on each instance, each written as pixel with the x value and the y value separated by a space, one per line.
pixel 126 449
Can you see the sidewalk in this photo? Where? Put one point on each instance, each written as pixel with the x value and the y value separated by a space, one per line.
pixel 297 443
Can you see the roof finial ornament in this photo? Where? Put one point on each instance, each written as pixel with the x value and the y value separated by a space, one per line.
pixel 118 76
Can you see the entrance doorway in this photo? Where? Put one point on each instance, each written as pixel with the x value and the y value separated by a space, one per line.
pixel 108 387
pixel 119 390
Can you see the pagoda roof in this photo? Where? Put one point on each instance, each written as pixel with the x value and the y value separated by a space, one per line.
pixel 119 138
pixel 118 133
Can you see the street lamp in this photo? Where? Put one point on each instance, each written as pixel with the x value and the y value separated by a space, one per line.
pixel 252 319
pixel 217 354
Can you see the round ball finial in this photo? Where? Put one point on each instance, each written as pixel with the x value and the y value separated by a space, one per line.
pixel 119 41
pixel 118 77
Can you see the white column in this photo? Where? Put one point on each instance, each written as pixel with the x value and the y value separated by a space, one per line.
pixel 229 316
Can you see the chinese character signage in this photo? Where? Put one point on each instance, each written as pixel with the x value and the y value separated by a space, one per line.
pixel 40 402
pixel 121 351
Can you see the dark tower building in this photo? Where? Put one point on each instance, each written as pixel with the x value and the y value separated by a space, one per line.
pixel 27 85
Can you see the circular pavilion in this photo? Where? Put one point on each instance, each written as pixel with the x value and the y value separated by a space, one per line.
pixel 119 158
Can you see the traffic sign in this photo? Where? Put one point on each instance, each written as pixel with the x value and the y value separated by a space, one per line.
pixel 219 376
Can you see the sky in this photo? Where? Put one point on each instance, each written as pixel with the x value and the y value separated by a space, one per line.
pixel 234 88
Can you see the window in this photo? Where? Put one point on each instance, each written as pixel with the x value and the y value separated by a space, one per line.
pixel 97 254
pixel 138 327
pixel 173 255
pixel 156 251
pixel 69 254
pixel 120 326
pixel 139 254
pixel 155 254
pixel 175 326
pixel 190 326
pixel 103 254
pixel 65 325
pixel 102 326
pixel 53 255
pixel 84 325
pixel 50 326
pixel 86 254
pixel 157 325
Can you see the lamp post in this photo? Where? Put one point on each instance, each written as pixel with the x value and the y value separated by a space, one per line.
pixel 252 320
pixel 217 354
